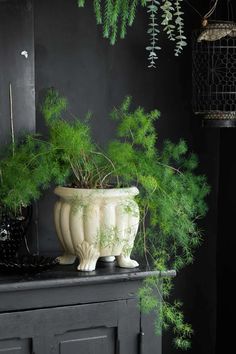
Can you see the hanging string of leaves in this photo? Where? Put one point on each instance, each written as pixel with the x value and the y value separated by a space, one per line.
pixel 116 16
pixel 180 38
pixel 153 31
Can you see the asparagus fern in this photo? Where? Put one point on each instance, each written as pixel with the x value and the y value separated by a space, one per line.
pixel 171 200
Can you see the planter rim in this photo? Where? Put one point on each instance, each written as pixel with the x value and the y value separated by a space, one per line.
pixel 67 192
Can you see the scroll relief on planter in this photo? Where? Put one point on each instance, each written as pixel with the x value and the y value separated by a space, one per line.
pixel 96 223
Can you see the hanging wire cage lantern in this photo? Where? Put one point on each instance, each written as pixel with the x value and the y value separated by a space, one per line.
pixel 214 73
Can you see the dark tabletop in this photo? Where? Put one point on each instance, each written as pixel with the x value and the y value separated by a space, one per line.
pixel 62 275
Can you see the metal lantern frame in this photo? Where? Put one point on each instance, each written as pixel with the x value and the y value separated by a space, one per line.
pixel 214 74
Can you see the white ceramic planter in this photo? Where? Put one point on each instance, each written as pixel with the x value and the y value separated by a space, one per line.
pixel 93 223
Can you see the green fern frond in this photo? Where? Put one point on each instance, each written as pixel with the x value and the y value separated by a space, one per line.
pixel 80 3
pixel 108 10
pixel 132 11
pixel 98 11
pixel 124 17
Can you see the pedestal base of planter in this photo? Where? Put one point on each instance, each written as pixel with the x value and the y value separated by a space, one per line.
pixel 89 264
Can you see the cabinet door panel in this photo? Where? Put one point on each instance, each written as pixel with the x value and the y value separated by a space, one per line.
pixel 55 321
pixel 92 341
pixel 99 328
pixel 15 346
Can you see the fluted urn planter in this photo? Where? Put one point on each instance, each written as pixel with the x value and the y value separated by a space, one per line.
pixel 94 223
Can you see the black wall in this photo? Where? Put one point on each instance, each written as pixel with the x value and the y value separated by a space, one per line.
pixel 16 35
pixel 226 243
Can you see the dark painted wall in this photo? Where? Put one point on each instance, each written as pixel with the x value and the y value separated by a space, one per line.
pixel 72 56
pixel 226 241
pixel 226 244
pixel 16 35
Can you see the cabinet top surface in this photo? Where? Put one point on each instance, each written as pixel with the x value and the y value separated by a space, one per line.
pixel 68 276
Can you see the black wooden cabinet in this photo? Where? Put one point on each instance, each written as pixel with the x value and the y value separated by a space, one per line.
pixel 68 312
pixel 103 327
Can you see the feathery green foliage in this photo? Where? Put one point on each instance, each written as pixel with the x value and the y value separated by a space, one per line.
pixel 98 11
pixel 171 200
pixel 117 15
pixel 154 297
pixel 80 162
pixel 24 174
pixel 114 15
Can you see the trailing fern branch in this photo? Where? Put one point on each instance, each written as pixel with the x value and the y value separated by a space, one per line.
pixel 132 12
pixel 98 11
pixel 124 17
pixel 114 20
pixel 80 3
pixel 108 11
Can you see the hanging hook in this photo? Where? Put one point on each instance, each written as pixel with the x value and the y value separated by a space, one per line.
pixel 212 10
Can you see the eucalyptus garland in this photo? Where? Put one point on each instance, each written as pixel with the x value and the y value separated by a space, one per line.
pixel 153 31
pixel 116 16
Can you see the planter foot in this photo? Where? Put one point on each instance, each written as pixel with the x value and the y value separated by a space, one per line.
pixel 88 256
pixel 66 259
pixel 87 265
pixel 126 262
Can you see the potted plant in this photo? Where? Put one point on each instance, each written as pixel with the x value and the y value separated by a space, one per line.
pixel 93 219
pixel 170 201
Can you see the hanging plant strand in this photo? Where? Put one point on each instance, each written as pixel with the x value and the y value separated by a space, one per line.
pixel 98 11
pixel 107 24
pixel 133 9
pixel 180 38
pixel 116 16
pixel 81 3
pixel 124 18
pixel 153 31
pixel 167 16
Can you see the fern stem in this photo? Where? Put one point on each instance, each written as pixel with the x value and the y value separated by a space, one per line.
pixel 12 120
